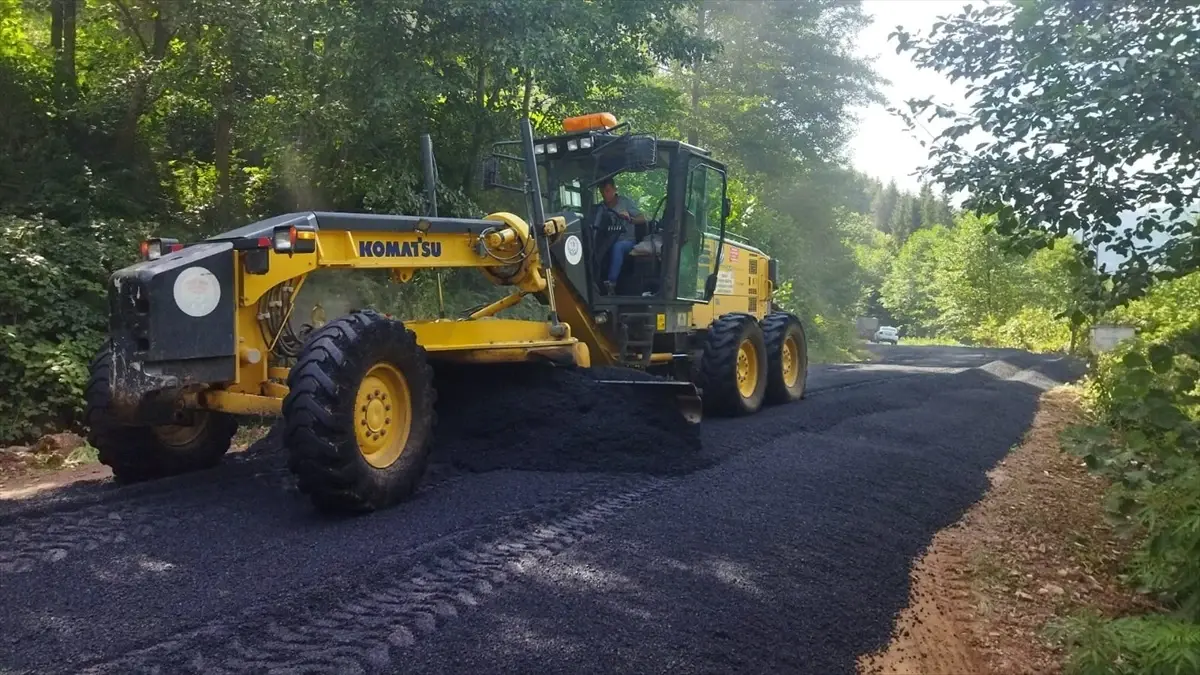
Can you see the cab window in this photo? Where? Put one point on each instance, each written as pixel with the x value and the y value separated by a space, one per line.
pixel 701 228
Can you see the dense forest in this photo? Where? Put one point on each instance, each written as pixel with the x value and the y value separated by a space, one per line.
pixel 189 117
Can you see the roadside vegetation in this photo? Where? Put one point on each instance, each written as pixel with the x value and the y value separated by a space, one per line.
pixel 1080 136
pixel 956 283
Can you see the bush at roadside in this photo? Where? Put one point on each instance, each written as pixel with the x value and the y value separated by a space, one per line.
pixel 52 317
pixel 1145 438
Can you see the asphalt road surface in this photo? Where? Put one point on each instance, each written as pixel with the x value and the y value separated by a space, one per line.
pixel 787 550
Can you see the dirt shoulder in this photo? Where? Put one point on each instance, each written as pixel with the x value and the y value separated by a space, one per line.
pixel 1034 549
pixel 57 460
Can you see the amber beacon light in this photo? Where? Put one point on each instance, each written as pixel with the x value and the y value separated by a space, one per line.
pixel 592 122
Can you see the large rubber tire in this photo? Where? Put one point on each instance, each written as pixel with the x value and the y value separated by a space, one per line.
pixel 729 336
pixel 787 350
pixel 320 413
pixel 141 453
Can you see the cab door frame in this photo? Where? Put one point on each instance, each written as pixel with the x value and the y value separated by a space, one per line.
pixel 687 163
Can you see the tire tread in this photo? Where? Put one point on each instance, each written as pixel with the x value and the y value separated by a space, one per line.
pixel 135 453
pixel 775 327
pixel 318 414
pixel 718 365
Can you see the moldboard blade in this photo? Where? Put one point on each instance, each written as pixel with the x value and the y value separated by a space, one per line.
pixel 687 397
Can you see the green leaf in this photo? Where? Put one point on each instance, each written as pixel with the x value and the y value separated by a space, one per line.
pixel 1139 377
pixel 1161 357
pixel 1165 416
pixel 1133 360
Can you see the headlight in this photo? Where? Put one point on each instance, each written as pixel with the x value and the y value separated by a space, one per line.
pixel 572 145
pixel 539 149
pixel 283 240
pixel 292 239
pixel 585 143
pixel 153 249
pixel 552 148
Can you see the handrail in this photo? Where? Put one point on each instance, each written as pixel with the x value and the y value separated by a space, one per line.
pixel 740 241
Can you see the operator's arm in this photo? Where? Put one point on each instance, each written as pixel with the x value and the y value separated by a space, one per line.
pixel 635 214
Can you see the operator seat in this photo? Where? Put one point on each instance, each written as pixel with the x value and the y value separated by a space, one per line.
pixel 641 273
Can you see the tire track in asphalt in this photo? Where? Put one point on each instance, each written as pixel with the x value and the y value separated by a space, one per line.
pixel 237 466
pixel 366 629
pixel 54 537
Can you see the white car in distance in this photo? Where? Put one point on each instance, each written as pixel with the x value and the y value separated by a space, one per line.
pixel 887 334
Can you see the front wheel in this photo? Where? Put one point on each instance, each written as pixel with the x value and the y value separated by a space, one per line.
pixel 141 453
pixel 733 367
pixel 787 357
pixel 358 417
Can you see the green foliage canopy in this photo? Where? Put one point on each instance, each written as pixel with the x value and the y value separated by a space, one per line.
pixel 1088 109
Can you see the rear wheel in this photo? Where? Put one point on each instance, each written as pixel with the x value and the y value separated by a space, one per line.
pixel 733 367
pixel 358 417
pixel 787 357
pixel 140 453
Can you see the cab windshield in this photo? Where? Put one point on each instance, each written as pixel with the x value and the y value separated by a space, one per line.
pixel 566 183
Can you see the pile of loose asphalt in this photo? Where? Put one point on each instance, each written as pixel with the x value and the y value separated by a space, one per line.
pixel 785 549
pixel 546 418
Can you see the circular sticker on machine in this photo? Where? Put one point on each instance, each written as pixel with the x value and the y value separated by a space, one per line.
pixel 197 291
pixel 574 249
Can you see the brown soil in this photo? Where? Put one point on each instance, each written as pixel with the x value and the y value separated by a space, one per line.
pixel 62 459
pixel 53 453
pixel 1035 548
pixel 29 482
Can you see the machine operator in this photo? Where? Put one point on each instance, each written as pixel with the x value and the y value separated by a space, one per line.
pixel 628 211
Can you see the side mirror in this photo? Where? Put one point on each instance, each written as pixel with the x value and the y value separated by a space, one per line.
pixel 490 172
pixel 710 287
pixel 726 208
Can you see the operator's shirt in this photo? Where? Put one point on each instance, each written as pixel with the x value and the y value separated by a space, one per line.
pixel 628 206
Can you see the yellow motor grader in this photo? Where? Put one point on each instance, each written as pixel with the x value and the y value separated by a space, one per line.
pixel 202 333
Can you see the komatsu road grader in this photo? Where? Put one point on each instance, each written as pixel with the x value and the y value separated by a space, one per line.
pixel 203 333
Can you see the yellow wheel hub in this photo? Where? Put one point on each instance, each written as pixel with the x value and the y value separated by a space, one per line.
pixel 791 362
pixel 175 435
pixel 747 369
pixel 382 415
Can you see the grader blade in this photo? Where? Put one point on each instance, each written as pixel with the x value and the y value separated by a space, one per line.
pixel 684 394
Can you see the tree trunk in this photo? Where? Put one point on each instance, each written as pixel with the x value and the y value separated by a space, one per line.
pixel 56 26
pixel 222 150
pixel 157 51
pixel 694 131
pixel 62 41
pixel 67 67
pixel 477 133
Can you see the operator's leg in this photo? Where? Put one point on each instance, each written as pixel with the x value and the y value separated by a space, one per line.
pixel 619 250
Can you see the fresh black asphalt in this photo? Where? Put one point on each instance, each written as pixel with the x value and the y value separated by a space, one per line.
pixel 785 549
